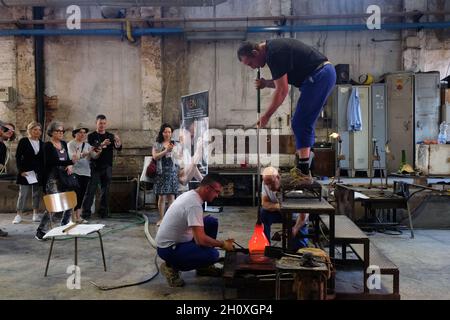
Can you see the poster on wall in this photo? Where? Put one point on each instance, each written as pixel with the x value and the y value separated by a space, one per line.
pixel 194 136
pixel 195 106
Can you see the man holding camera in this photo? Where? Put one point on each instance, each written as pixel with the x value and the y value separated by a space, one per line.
pixel 101 168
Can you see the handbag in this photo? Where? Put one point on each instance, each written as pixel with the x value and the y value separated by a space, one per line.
pixel 68 182
pixel 151 169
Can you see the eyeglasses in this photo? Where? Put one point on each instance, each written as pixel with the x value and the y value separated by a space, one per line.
pixel 215 190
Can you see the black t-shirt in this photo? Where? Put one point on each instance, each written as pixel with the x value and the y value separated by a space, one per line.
pixel 292 57
pixel 2 153
pixel 106 156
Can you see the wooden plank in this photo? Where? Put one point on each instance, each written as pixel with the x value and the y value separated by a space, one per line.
pixel 345 228
pixel 345 200
pixel 304 205
pixel 376 257
pixel 238 262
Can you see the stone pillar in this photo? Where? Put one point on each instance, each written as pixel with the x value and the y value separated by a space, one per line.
pixel 17 72
pixel 8 77
pixel 175 71
pixel 26 99
pixel 151 78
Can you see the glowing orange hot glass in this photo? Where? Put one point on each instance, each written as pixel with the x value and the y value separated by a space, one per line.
pixel 258 241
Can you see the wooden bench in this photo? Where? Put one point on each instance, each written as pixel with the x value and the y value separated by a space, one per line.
pixel 348 233
pixel 387 267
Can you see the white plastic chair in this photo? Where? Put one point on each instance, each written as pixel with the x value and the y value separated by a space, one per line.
pixel 144 179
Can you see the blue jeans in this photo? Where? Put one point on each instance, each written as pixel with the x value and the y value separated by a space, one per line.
pixel 269 217
pixel 189 255
pixel 315 91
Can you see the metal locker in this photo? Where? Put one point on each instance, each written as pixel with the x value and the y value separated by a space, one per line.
pixel 340 97
pixel 400 106
pixel 359 140
pixel 426 106
pixel 378 121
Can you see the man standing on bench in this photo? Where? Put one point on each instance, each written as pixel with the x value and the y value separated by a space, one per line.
pixel 270 210
pixel 292 62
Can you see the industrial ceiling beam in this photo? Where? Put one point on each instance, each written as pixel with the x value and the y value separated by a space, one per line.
pixel 229 19
pixel 112 3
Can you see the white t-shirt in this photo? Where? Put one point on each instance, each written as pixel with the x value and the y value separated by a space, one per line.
pixel 82 166
pixel 272 195
pixel 184 213
pixel 35 145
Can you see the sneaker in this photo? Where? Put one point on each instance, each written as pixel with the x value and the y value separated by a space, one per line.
pixel 36 217
pixel 3 233
pixel 81 221
pixel 209 271
pixel 172 276
pixel 17 219
pixel 299 177
pixel 40 235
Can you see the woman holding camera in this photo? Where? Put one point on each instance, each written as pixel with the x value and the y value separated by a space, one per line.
pixel 166 180
pixel 80 149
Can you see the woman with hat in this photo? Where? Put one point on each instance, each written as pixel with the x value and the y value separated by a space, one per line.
pixel 80 149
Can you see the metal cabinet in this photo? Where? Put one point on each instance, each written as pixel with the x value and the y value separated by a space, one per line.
pixel 359 140
pixel 339 102
pixel 400 106
pixel 355 145
pixel 426 106
pixel 378 120
pixel 413 112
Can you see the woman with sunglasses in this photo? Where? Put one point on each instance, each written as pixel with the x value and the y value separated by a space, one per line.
pixel 6 134
pixel 30 161
pixel 56 157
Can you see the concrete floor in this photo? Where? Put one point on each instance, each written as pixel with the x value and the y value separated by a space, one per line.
pixel 424 262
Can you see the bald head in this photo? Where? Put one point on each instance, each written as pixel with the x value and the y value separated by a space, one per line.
pixel 271 178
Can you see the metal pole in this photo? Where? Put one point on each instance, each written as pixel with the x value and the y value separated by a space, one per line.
pixel 372 164
pixel 217 19
pixel 258 113
pixel 38 14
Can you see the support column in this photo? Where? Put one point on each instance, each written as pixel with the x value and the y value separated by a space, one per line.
pixel 151 79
